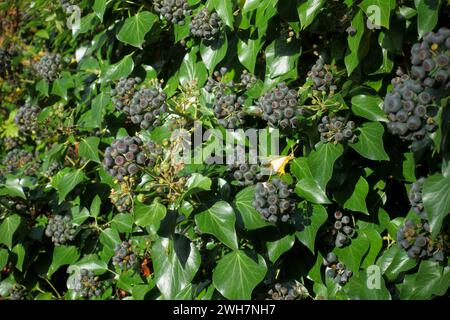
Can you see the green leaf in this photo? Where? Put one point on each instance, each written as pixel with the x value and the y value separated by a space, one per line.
pixel 63 255
pixel 109 238
pixel 378 10
pixel 352 58
pixel 12 187
pixel 93 118
pixel 3 258
pixel 88 148
pixel 236 275
pixel 369 107
pixel 197 183
pixel 357 201
pixel 281 58
pixel 244 203
pixel 191 69
pixel 122 222
pixel 307 236
pixel 225 11
pixel 175 262
pixel 357 288
pixel 370 142
pixel 248 50
pixel 353 254
pixel 394 261
pixel 310 190
pixel 68 182
pixel 321 162
pixel 136 27
pixel 123 68
pixel 308 10
pixel 95 206
pixel 427 15
pixel 8 228
pixel 376 243
pixel 42 87
pixel 219 220
pixel 431 280
pixel 409 167
pixel 276 248
pixel 99 8
pixel 149 215
pixel 212 52
pixel 436 199
pixel 19 256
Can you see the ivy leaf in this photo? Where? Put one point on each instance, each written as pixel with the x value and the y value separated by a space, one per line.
pixel 88 148
pixel 99 8
pixel 379 9
pixel 68 182
pixel 370 142
pixel 248 50
pixel 12 187
pixel 427 15
pixel 352 255
pixel 122 222
pixel 369 107
pixel 175 262
pixel 3 258
pixel 225 11
pixel 308 10
pixel 191 69
pixel 123 68
pixel 135 28
pixel 352 58
pixel 93 118
pixel 244 203
pixel 376 243
pixel 307 236
pixel 281 58
pixel 63 255
pixel 436 199
pixel 95 206
pixel 236 275
pixel 212 52
pixel 357 288
pixel 431 280
pixel 149 215
pixel 310 190
pixel 321 162
pixel 394 261
pixel 8 228
pixel 109 238
pixel 19 256
pixel 197 183
pixel 219 220
pixel 357 201
pixel 276 248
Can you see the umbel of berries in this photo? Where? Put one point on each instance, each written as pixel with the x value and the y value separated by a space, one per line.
pixel 124 257
pixel 18 159
pixel 49 66
pixel 415 198
pixel 291 290
pixel 337 129
pixel 174 11
pixel 60 229
pixel 146 107
pixel 431 59
pixel 228 110
pixel 322 77
pixel 124 92
pixel 409 109
pixel 245 174
pixel 248 79
pixel 124 158
pixel 342 229
pixel 336 269
pixel 274 200
pixel 88 284
pixel 279 107
pixel 26 118
pixel 206 25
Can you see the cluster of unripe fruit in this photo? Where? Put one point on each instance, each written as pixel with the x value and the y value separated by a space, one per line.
pixel 206 25
pixel 336 269
pixel 60 229
pixel 337 129
pixel 174 11
pixel 291 290
pixel 88 285
pixel 49 66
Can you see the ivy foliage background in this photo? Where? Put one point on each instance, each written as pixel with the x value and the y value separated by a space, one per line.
pixel 93 207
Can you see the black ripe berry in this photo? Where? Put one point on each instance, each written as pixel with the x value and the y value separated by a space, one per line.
pixel 206 25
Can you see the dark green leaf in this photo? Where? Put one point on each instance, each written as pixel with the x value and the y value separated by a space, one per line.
pixel 136 27
pixel 370 142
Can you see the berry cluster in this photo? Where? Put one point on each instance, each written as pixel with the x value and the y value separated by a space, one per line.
pixel 173 11
pixel 414 239
pixel 88 285
pixel 431 59
pixel 124 92
pixel 206 25
pixel 245 174
pixel 60 229
pixel 17 292
pixel 10 143
pixel 49 66
pixel 229 102
pixel 408 109
pixel 274 200
pixel 53 168
pixel 279 107
pixel 146 107
pixel 415 198
pixel 291 290
pixel 26 118
pixel 124 158
pixel 337 129
pixel 322 77
pixel 124 257
pixel 248 79
pixel 68 5
pixel 17 159
pixel 336 270
pixel 342 230
pixel 123 201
